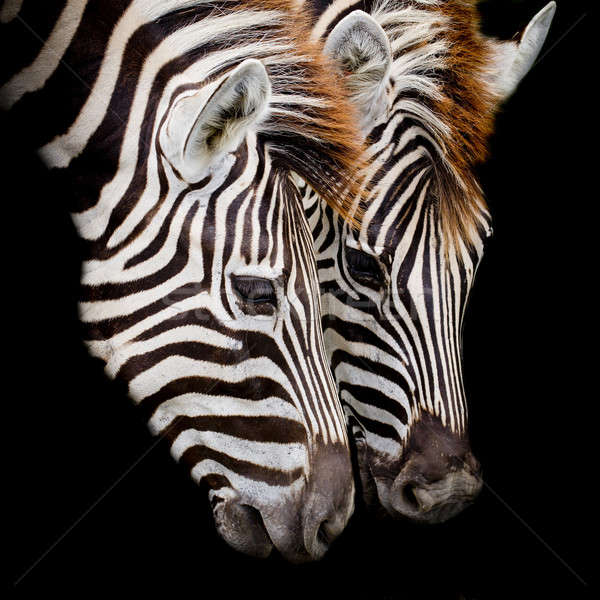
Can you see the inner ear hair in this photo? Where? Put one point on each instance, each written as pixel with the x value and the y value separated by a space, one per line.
pixel 232 109
pixel 362 51
pixel 201 130
pixel 361 47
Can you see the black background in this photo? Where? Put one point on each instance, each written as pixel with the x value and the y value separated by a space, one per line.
pixel 78 447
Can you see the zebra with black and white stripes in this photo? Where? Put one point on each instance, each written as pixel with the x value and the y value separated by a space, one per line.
pixel 426 84
pixel 174 127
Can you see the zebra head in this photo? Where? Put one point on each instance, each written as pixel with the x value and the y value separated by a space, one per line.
pixel 199 283
pixel 212 317
pixel 394 294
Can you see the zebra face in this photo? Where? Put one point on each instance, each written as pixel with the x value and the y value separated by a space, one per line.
pixel 394 293
pixel 212 318
pixel 392 324
pixel 399 369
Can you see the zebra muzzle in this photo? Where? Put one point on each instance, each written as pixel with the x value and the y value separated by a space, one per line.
pixel 300 525
pixel 433 499
pixel 300 535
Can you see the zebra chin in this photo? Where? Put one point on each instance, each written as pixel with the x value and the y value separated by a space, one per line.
pixel 241 526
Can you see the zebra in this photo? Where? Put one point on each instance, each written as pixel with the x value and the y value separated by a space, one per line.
pixel 176 129
pixel 427 85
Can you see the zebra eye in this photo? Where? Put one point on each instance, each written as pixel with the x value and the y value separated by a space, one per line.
pixel 254 290
pixel 364 268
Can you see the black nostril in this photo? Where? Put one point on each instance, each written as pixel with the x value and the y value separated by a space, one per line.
pixel 216 500
pixel 254 515
pixel 322 533
pixel 409 496
pixel 242 527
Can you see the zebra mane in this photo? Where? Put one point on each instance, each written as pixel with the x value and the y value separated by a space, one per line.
pixel 312 125
pixel 440 75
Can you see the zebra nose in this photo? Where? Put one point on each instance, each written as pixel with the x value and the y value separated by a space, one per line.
pixel 322 527
pixel 435 491
pixel 330 499
pixel 304 529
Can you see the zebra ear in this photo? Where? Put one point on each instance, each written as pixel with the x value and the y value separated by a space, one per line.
pixel 513 60
pixel 361 48
pixel 194 140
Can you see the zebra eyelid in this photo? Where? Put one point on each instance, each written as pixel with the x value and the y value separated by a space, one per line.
pixel 254 290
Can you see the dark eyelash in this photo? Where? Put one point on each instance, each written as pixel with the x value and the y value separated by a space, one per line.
pixel 255 290
pixel 363 266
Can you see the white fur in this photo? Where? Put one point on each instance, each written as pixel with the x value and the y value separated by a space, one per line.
pixel 360 44
pixel 34 77
pixel 10 9
pixel 60 151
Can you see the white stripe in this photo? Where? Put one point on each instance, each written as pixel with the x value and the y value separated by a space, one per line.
pixel 34 77
pixel 375 414
pixel 198 405
pixel 283 457
pixel 176 367
pixel 328 16
pixel 60 151
pixel 10 9
pixel 395 362
pixel 350 373
pixel 270 496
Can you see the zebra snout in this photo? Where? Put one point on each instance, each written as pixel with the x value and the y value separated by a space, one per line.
pixel 302 524
pixel 300 531
pixel 329 501
pixel 435 487
pixel 321 528
pixel 304 528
